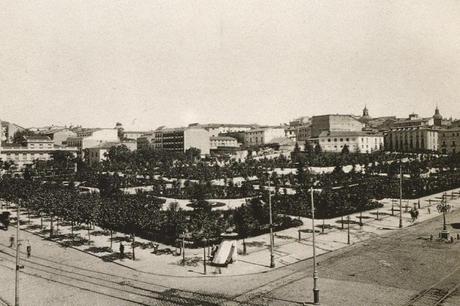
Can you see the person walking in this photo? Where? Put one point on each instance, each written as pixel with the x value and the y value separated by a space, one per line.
pixel 11 241
pixel 122 250
pixel 29 250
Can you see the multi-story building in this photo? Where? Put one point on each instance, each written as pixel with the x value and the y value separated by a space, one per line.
pixel 215 129
pixel 181 139
pixel 334 123
pixel 145 141
pixel 357 141
pixel 415 134
pixel 262 136
pixel 221 142
pixel 59 136
pixel 97 153
pixel 8 129
pixel 33 148
pixel 412 139
pixel 87 138
pixel 449 140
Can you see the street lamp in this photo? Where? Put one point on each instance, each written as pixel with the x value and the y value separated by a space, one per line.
pixel 16 284
pixel 272 257
pixel 315 273
pixel 400 195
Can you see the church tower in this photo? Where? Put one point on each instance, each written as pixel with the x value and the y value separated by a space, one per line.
pixel 437 117
pixel 365 117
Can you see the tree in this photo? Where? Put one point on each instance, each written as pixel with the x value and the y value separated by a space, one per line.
pixel 308 148
pixel 345 150
pixel 318 149
pixel 244 223
pixel 193 154
pixel 18 137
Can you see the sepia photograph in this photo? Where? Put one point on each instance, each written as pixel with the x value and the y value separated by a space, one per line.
pixel 230 152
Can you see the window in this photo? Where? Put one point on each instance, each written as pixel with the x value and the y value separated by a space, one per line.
pixel 347 139
pixel 335 139
pixel 328 140
pixel 341 139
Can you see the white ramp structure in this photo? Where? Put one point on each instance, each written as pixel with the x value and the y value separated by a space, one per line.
pixel 227 250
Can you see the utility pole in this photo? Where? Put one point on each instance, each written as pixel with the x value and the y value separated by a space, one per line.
pixel 272 257
pixel 16 285
pixel 315 273
pixel 400 195
pixel 348 229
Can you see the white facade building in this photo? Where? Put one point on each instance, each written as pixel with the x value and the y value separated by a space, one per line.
pixel 357 142
pixel 262 136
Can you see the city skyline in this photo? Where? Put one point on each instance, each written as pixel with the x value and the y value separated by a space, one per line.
pixel 173 63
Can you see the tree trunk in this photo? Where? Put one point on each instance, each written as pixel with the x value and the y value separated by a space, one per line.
pixel 244 247
pixel 322 228
pixel 51 226
pixel 133 247
pixel 341 221
pixel 71 229
pixel 111 238
pixel 89 234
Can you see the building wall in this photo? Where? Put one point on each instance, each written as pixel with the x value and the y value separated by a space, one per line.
pixel 60 137
pixel 197 138
pixel 96 155
pixel 412 139
pixel 355 143
pixel 8 130
pixel 219 142
pixel 22 156
pixel 449 141
pixel 303 133
pixel 257 137
pixel 334 123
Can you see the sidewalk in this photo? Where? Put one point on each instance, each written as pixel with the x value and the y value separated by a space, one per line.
pixel 287 250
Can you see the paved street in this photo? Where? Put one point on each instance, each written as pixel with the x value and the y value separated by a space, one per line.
pixel 392 269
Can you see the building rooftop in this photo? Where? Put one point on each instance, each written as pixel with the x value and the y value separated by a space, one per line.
pixel 347 134
pixel 222 138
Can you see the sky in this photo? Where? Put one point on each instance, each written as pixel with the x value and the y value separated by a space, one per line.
pixel 151 63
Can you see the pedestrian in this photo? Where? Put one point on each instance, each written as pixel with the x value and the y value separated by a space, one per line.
pixel 11 241
pixel 122 250
pixel 29 250
pixel 429 210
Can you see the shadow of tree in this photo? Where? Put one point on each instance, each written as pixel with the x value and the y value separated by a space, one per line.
pixel 75 243
pixel 165 251
pixel 455 225
pixel 255 244
pixel 111 257
pixel 346 222
pixel 100 233
pixel 34 227
pixel 121 239
pixel 80 227
pixel 99 250
pixel 59 237
pixel 380 213
pixel 190 261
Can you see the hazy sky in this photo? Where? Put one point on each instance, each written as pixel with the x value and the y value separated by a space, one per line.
pixel 150 63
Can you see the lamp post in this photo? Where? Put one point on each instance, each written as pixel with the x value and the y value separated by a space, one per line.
pixel 400 195
pixel 315 273
pixel 16 284
pixel 272 257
